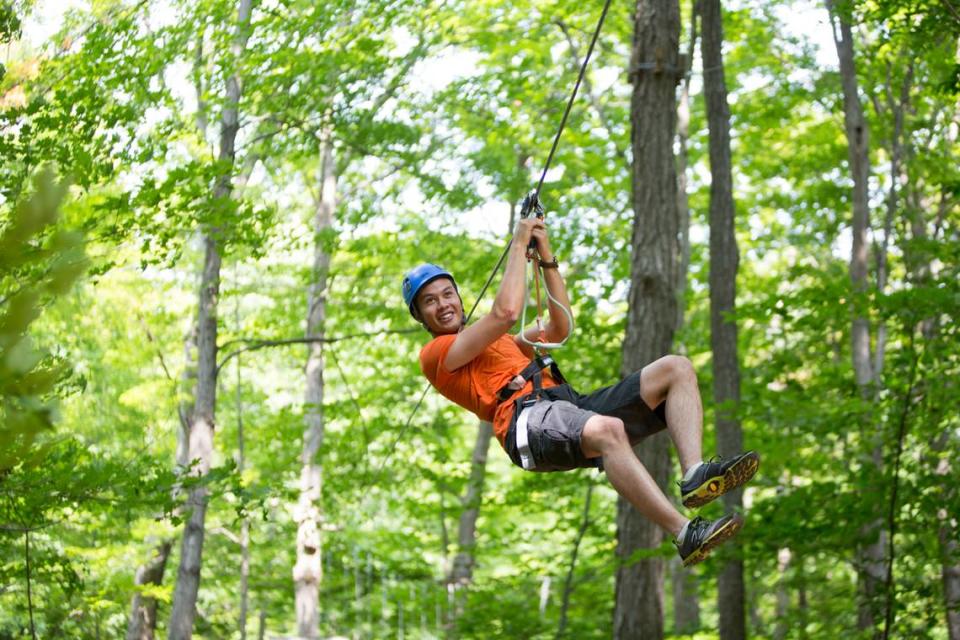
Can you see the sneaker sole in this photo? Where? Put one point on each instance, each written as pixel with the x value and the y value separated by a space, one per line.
pixel 718 537
pixel 737 475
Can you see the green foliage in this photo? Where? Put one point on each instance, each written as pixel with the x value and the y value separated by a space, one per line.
pixel 39 263
pixel 11 22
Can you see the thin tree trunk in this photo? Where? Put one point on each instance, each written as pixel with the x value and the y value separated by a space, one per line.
pixel 461 573
pixel 948 532
pixel 948 528
pixel 651 318
pixel 870 562
pixel 783 595
pixel 683 199
pixel 187 391
pixel 568 583
pixel 947 536
pixel 308 570
pixel 686 597
pixel 724 264
pixel 143 610
pixel 245 520
pixel 202 419
pixel 897 108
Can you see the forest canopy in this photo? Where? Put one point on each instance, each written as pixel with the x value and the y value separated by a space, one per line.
pixel 214 419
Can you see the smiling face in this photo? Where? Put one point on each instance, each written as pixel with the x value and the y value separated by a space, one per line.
pixel 439 307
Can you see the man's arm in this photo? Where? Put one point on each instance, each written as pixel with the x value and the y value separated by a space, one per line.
pixel 507 305
pixel 558 325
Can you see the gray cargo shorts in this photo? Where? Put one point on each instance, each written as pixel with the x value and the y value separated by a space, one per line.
pixel 554 424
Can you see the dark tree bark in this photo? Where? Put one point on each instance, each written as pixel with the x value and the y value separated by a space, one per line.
pixel 871 572
pixel 202 418
pixel 724 263
pixel 686 599
pixel 143 611
pixel 651 319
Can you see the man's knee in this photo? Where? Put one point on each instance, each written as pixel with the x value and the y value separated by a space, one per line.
pixel 603 433
pixel 658 377
pixel 681 367
pixel 674 368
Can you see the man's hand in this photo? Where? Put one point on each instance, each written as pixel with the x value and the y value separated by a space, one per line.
pixel 535 229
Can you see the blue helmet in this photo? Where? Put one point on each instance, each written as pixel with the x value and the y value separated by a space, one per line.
pixel 419 277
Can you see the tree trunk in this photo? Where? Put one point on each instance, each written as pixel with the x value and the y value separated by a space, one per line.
pixel 308 570
pixel 202 418
pixel 686 597
pixel 783 595
pixel 461 574
pixel 245 519
pixel 724 263
pixel 187 390
pixel 568 583
pixel 686 601
pixel 651 318
pixel 871 572
pixel 143 611
pixel 948 529
pixel 683 138
pixel 950 568
pixel 948 532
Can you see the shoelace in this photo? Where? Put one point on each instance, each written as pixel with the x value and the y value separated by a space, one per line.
pixel 712 460
pixel 693 527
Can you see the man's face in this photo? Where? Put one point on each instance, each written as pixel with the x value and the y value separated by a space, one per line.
pixel 439 306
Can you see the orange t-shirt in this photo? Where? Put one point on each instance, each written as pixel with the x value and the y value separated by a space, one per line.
pixel 474 386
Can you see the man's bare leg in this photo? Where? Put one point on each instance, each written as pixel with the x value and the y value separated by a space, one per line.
pixel 672 378
pixel 605 436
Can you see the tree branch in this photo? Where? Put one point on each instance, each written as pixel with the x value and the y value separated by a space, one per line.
pixel 588 87
pixel 952 9
pixel 163 365
pixel 255 344
pixel 356 405
pixel 892 514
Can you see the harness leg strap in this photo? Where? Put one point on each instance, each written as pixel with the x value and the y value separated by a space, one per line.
pixel 523 443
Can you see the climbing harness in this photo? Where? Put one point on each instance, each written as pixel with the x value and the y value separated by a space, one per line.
pixel 533 371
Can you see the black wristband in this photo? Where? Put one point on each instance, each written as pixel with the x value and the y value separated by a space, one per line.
pixel 553 264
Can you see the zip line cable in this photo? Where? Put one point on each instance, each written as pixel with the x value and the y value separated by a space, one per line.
pixel 534 199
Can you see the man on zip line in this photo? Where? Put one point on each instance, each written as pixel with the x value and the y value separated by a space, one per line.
pixel 543 424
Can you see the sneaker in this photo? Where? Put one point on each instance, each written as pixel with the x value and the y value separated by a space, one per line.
pixel 717 476
pixel 702 536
